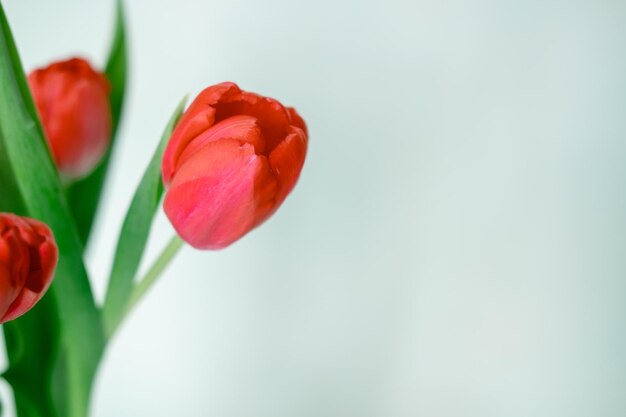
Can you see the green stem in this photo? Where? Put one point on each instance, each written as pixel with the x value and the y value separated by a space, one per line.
pixel 155 271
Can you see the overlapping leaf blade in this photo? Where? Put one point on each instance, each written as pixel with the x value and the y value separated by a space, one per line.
pixel 38 184
pixel 10 198
pixel 32 346
pixel 135 231
pixel 32 341
pixel 84 196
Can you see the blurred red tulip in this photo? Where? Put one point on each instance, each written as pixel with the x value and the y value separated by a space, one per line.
pixel 73 103
pixel 28 258
pixel 230 163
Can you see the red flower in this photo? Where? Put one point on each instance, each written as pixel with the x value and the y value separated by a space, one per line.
pixel 28 258
pixel 230 163
pixel 73 103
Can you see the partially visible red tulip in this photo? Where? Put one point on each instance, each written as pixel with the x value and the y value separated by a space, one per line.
pixel 28 259
pixel 73 102
pixel 230 163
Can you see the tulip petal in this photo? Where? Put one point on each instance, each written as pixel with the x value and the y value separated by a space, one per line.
pixel 273 117
pixel 297 120
pixel 15 256
pixel 9 292
pixel 73 103
pixel 287 161
pixel 197 118
pixel 42 257
pixel 219 194
pixel 245 129
pixel 24 302
pixel 81 142
pixel 28 258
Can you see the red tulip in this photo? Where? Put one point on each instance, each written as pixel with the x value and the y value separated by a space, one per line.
pixel 28 258
pixel 73 103
pixel 230 164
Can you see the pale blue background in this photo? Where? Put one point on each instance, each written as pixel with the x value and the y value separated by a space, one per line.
pixel 456 245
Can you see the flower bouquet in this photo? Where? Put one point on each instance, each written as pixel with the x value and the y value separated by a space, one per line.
pixel 222 167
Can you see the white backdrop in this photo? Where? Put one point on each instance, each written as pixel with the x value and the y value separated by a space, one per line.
pixel 455 246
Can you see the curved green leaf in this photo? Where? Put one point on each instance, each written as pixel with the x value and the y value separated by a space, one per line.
pixel 10 197
pixel 84 196
pixel 134 235
pixel 32 344
pixel 38 183
pixel 32 341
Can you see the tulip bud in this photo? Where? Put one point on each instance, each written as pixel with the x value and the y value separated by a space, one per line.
pixel 230 163
pixel 28 258
pixel 73 103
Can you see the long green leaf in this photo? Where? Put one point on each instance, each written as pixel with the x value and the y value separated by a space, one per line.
pixel 84 196
pixel 32 344
pixel 38 182
pixel 134 235
pixel 32 341
pixel 10 197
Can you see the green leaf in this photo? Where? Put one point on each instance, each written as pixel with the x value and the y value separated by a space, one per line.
pixel 32 341
pixel 10 197
pixel 38 183
pixel 134 235
pixel 84 196
pixel 32 344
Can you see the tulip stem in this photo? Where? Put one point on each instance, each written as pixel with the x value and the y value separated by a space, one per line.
pixel 155 271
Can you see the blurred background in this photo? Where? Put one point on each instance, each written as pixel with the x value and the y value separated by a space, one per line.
pixel 455 246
